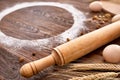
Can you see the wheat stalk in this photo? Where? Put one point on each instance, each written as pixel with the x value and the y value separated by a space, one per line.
pixel 97 66
pixel 99 76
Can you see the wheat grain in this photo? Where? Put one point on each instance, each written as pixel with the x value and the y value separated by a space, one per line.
pixel 98 66
pixel 99 76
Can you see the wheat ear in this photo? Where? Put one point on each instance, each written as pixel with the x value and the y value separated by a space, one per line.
pixel 98 66
pixel 99 76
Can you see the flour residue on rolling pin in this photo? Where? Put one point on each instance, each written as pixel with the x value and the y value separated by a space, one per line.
pixel 71 33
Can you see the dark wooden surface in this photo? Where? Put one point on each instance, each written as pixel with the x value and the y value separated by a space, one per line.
pixel 39 23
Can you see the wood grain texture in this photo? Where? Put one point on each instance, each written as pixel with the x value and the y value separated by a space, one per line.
pixel 38 23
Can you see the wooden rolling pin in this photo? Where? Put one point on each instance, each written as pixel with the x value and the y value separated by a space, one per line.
pixel 73 49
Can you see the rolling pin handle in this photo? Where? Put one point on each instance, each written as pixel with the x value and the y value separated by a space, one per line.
pixel 34 67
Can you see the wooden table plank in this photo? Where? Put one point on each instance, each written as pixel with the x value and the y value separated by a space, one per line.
pixel 38 23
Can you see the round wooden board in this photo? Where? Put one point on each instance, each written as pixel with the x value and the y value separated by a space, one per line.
pixel 111 7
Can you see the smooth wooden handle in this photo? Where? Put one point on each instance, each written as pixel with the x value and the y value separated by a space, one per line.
pixel 34 67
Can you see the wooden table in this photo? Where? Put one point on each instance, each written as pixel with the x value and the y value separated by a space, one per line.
pixel 40 22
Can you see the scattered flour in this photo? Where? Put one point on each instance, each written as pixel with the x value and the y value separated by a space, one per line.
pixel 71 33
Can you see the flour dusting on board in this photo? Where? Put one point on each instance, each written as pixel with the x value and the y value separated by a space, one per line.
pixel 71 33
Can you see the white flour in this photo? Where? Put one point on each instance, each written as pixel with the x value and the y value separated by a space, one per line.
pixel 71 33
